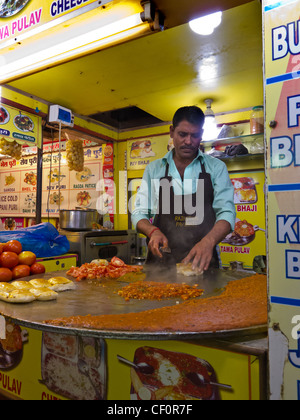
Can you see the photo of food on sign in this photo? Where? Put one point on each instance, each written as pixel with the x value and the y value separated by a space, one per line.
pixel 85 175
pixel 4 115
pixel 11 7
pixel 142 149
pixel 108 151
pixel 56 198
pixel 74 367
pixel 11 348
pixel 30 201
pixel 244 233
pixel 30 178
pixel 54 176
pixel 158 374
pixel 23 123
pixel 244 190
pixel 9 180
pixel 84 199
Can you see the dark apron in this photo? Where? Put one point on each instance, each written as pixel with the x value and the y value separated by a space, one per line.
pixel 181 236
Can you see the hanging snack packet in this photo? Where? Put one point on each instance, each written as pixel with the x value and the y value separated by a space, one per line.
pixel 75 155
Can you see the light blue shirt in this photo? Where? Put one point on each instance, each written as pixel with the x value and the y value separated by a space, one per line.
pixel 147 198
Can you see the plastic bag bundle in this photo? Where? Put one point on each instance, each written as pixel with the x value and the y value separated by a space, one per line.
pixel 75 155
pixel 12 149
pixel 43 240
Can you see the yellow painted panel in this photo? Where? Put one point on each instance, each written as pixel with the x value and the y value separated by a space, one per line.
pixel 59 263
pixel 163 71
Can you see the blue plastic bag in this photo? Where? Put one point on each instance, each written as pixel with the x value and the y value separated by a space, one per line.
pixel 43 240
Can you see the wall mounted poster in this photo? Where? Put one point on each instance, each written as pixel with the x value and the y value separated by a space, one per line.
pixel 143 151
pixel 18 181
pixel 282 86
pixel 20 126
pixel 248 239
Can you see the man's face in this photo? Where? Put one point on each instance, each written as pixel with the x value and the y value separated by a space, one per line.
pixel 186 138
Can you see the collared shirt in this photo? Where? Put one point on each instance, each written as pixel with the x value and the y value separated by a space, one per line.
pixel 146 203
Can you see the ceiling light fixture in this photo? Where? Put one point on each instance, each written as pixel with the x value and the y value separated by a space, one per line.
pixel 207 24
pixel 211 130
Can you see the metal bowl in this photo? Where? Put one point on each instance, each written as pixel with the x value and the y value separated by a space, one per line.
pixel 78 220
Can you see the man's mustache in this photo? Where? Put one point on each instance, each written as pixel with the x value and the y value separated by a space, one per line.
pixel 187 148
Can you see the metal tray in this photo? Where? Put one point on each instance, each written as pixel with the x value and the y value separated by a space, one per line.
pixel 100 298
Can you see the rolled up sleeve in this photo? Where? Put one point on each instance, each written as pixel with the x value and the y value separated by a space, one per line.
pixel 146 199
pixel 223 205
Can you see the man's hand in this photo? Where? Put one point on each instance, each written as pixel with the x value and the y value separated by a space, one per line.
pixel 201 255
pixel 157 240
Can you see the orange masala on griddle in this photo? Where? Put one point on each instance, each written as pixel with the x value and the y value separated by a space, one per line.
pixel 243 304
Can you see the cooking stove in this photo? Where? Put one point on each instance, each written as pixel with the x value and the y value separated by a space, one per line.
pixel 104 244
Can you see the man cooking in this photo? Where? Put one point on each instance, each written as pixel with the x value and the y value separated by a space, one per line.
pixel 190 196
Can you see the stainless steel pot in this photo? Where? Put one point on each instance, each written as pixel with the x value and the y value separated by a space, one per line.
pixel 78 220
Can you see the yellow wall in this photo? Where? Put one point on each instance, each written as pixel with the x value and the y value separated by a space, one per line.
pixel 121 139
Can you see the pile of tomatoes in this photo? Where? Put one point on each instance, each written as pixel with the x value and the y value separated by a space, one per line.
pixel 16 263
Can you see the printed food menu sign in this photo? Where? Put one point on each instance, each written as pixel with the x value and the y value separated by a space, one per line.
pixel 282 86
pixel 18 17
pixel 20 126
pixel 248 239
pixel 18 182
pixel 143 151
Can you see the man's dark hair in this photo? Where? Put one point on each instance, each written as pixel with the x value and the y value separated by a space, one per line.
pixel 192 114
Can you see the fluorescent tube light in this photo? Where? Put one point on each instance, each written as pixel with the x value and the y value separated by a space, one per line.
pixel 94 40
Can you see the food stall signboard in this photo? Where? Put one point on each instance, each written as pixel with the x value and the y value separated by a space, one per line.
pixel 248 240
pixel 143 151
pixel 18 180
pixel 16 18
pixel 20 126
pixel 282 87
pixel 36 365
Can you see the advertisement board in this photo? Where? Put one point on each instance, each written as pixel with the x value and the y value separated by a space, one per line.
pixel 20 126
pixel 282 88
pixel 248 240
pixel 17 18
pixel 86 189
pixel 143 151
pixel 36 365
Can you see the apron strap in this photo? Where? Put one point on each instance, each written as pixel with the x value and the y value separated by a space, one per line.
pixel 203 171
pixel 167 171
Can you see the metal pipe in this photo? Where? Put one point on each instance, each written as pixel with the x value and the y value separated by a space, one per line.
pixel 39 184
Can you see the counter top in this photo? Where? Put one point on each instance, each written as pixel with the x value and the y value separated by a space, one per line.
pixel 101 298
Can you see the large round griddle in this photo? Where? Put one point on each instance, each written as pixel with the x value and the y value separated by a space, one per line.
pixel 101 298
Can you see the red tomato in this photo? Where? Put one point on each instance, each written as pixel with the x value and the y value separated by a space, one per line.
pixel 5 275
pixel 27 258
pixel 13 246
pixel 9 259
pixel 1 248
pixel 37 268
pixel 21 271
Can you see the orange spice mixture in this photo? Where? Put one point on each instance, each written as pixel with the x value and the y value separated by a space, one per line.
pixel 243 304
pixel 157 291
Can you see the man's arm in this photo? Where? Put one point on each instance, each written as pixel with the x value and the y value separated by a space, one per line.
pixel 202 253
